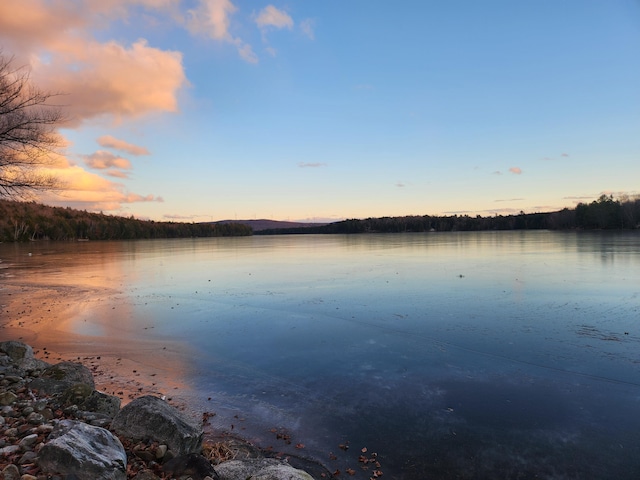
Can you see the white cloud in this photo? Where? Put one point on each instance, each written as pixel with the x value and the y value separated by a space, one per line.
pixel 311 164
pixel 308 28
pixel 270 16
pixel 245 51
pixel 211 18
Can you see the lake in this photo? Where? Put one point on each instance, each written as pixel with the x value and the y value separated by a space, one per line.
pixel 450 355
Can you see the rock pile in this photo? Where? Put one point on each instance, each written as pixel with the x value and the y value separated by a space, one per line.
pixel 54 425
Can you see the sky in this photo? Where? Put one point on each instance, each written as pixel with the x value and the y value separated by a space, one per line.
pixel 201 110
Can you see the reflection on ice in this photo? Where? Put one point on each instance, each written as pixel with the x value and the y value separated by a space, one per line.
pixel 473 355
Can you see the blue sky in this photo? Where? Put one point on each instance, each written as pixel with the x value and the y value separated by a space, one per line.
pixel 300 110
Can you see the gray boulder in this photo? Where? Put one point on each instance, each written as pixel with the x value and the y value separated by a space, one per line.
pixel 259 469
pixel 100 402
pixel 17 351
pixel 57 378
pixel 90 400
pixel 21 355
pixel 146 475
pixel 192 465
pixel 84 452
pixel 151 418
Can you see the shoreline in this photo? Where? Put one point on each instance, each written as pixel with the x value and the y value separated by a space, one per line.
pixel 124 367
pixel 65 426
pixel 127 368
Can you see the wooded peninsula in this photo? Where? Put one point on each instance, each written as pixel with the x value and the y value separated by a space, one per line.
pixel 29 221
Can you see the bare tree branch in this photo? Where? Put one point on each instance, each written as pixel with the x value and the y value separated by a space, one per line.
pixel 28 132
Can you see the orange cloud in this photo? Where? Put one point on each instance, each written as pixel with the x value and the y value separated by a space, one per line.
pixel 54 39
pixel 117 174
pixel 516 170
pixel 88 191
pixel 106 80
pixel 92 76
pixel 28 25
pixel 102 160
pixel 108 141
pixel 134 197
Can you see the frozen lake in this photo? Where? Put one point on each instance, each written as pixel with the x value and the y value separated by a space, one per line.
pixel 451 355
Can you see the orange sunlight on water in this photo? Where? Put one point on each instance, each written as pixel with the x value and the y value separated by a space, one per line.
pixel 50 311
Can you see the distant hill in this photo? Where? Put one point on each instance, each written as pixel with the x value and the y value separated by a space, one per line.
pixel 264 224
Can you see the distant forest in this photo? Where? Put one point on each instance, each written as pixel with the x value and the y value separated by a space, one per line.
pixel 603 213
pixel 25 221
pixel 28 221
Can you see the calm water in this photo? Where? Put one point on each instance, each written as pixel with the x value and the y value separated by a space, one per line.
pixel 451 355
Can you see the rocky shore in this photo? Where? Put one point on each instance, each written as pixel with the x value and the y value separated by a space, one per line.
pixel 55 425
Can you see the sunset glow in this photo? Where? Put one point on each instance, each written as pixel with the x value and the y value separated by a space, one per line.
pixel 219 109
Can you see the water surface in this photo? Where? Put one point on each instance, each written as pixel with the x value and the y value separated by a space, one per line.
pixel 451 355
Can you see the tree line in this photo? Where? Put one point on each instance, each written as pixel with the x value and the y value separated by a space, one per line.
pixel 29 221
pixel 603 213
